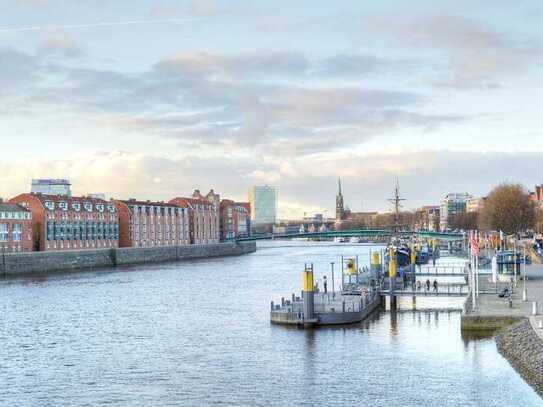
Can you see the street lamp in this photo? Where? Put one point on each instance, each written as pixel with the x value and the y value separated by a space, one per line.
pixel 333 290
pixel 524 290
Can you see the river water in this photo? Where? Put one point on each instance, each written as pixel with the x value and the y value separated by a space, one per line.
pixel 198 333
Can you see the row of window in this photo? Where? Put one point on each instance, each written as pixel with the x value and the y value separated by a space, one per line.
pixel 76 206
pixel 15 215
pixel 16 231
pixel 158 210
pixel 82 231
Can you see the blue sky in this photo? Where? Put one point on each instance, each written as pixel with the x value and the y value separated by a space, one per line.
pixel 153 98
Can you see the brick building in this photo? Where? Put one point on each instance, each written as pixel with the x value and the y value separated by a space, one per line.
pixel 203 214
pixel 234 219
pixel 61 222
pixel 15 228
pixel 152 224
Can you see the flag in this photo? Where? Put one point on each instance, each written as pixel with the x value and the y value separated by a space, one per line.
pixel 474 242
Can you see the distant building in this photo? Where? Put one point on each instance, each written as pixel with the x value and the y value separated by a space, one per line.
pixel 234 220
pixel 15 228
pixel 537 195
pixel 152 224
pixel 345 217
pixel 204 223
pixel 51 187
pixel 71 223
pixel 430 219
pixel 263 201
pixel 452 205
pixel 97 196
pixel 474 204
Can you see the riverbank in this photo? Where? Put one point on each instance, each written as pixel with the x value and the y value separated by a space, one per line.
pixel 518 337
pixel 18 264
pixel 523 348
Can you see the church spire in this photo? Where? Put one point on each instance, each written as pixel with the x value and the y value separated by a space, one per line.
pixel 339 186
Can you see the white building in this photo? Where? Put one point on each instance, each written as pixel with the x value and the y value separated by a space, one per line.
pixel 51 187
pixel 452 205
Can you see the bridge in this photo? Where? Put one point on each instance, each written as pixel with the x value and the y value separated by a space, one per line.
pixel 363 233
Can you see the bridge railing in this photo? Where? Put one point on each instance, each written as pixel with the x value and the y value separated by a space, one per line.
pixel 421 290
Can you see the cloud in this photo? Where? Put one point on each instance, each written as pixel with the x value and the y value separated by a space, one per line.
pixel 478 55
pixel 217 101
pixel 60 45
pixel 305 185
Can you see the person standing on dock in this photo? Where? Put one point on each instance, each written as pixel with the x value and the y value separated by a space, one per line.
pixel 325 284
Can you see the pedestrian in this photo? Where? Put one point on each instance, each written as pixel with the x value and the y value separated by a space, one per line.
pixel 435 286
pixel 428 285
pixel 325 283
pixel 419 285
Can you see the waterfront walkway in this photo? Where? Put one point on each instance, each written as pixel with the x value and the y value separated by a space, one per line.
pixel 493 312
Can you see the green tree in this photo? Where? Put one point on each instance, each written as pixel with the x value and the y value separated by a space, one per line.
pixel 508 208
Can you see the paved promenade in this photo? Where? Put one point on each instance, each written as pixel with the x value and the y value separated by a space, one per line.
pixel 492 312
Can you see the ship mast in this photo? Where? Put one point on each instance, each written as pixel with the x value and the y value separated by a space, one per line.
pixel 397 204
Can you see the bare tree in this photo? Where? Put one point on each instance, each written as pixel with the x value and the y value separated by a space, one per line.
pixel 508 208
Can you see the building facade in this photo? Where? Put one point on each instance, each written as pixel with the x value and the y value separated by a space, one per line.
pixel 537 196
pixel 15 228
pixel 452 205
pixel 474 204
pixel 152 224
pixel 263 201
pixel 51 187
pixel 71 223
pixel 430 218
pixel 234 220
pixel 204 226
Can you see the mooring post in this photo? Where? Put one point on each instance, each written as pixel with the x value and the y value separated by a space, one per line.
pixel 308 294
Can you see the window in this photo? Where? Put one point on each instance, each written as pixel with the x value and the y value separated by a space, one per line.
pixel 17 232
pixel 4 232
pixel 77 230
pixel 50 230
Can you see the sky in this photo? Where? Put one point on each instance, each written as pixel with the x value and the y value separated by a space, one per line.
pixel 154 98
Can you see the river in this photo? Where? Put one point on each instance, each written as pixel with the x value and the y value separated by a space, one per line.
pixel 198 333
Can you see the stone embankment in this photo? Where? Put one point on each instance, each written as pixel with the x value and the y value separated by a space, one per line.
pixel 521 346
pixel 16 264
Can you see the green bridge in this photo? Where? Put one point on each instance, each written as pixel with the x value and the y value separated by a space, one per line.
pixel 364 233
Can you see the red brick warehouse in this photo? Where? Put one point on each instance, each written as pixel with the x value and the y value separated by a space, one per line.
pixel 61 222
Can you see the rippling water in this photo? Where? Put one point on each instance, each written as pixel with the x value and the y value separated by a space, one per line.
pixel 198 333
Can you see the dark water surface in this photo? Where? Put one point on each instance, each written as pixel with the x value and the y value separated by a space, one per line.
pixel 198 333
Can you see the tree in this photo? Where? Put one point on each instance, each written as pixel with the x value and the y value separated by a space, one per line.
pixel 465 221
pixel 508 208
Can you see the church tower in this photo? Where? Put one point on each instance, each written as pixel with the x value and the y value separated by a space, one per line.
pixel 340 210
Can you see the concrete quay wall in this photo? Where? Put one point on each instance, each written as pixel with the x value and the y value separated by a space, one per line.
pixel 521 346
pixel 14 264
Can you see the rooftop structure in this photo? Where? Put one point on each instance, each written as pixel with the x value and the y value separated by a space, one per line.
pixel 51 187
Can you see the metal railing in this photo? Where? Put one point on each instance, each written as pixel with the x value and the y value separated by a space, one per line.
pixel 424 290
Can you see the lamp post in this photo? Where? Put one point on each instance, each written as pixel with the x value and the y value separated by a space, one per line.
pixel 333 289
pixel 524 290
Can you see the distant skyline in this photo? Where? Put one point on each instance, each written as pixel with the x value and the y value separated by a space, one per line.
pixel 151 99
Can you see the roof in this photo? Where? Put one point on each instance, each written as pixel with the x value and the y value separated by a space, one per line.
pixel 7 207
pixel 69 199
pixel 191 202
pixel 148 203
